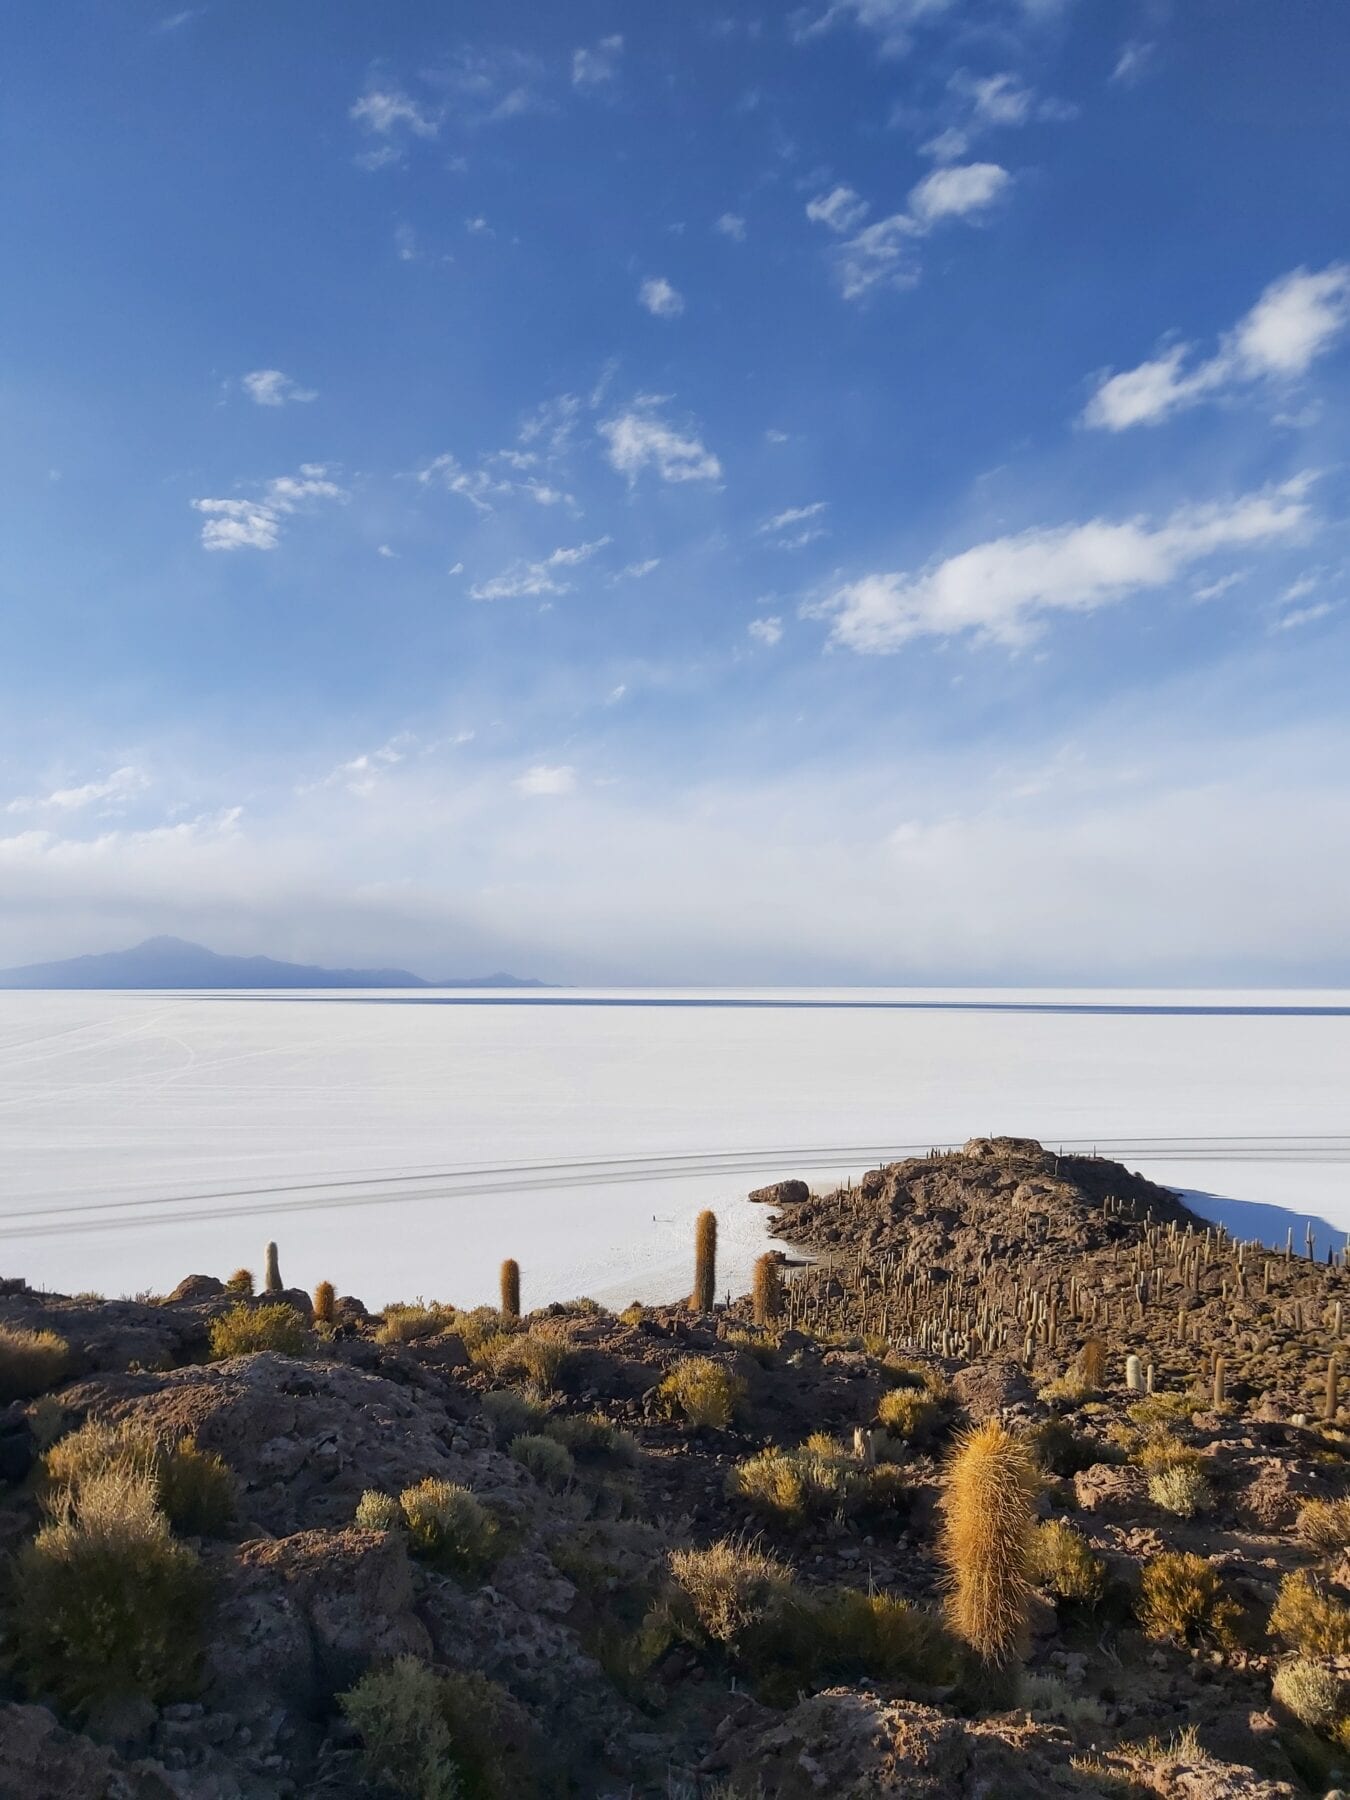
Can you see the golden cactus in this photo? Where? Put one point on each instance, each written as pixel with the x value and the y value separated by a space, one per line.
pixel 510 1288
pixel 988 1503
pixel 705 1263
pixel 325 1299
pixel 767 1293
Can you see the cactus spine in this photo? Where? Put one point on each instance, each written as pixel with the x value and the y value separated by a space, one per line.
pixel 988 1501
pixel 703 1298
pixel 325 1299
pixel 768 1298
pixel 510 1288
pixel 271 1271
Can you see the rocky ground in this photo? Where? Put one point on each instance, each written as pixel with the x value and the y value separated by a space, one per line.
pixel 973 1281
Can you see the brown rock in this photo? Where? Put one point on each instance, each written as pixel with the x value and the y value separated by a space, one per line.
pixel 780 1193
pixel 1115 1489
pixel 195 1287
pixel 987 1389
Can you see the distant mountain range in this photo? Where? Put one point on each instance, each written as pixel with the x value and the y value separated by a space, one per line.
pixel 170 962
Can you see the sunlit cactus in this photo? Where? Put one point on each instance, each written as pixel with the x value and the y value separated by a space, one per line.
pixel 705 1263
pixel 510 1288
pixel 988 1503
pixel 767 1293
pixel 325 1300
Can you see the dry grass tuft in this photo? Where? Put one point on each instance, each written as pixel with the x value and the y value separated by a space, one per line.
pixel 1310 1692
pixel 448 1527
pixel 1063 1561
pixel 30 1362
pixel 731 1586
pixel 1181 1600
pixel 244 1330
pixel 1309 1619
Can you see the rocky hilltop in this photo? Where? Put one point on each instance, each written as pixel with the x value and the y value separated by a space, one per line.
pixel 263 1545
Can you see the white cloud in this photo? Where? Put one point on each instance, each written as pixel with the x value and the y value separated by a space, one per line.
pixel 615 694
pixel 496 477
pixel 1304 615
pixel 1297 319
pixel 958 190
pixel 948 146
pixel 661 300
pixel 793 515
pixel 385 550
pixel 255 524
pixel 118 786
pixel 639 439
pixel 893 21
pixel 545 779
pixel 731 225
pixel 1004 590
pixel 525 578
pixel 594 67
pixel 842 209
pixel 1215 590
pixel 405 242
pixel 766 631
pixel 1133 61
pixel 1001 100
pixel 269 387
pixel 385 111
pixel 634 571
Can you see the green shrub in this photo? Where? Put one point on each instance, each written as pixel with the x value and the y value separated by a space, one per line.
pixel 707 1394
pixel 509 1413
pixel 1181 1599
pixel 1181 1489
pixel 1162 1412
pixel 406 1324
pixel 1309 1619
pixel 405 1737
pixel 1164 1451
pixel 545 1459
pixel 913 1416
pixel 1063 1561
pixel 591 1437
pixel 447 1735
pixel 1310 1692
pixel 541 1355
pixel 246 1329
pixel 378 1512
pixel 107 1605
pixel 858 1636
pixel 193 1487
pixel 30 1362
pixel 1060 1450
pixel 793 1487
pixel 448 1527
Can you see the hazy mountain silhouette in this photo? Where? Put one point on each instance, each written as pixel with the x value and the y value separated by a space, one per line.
pixel 170 962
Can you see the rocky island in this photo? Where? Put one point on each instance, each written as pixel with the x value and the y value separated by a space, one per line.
pixel 1014 1479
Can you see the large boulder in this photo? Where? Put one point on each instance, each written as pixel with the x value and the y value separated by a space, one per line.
pixel 780 1193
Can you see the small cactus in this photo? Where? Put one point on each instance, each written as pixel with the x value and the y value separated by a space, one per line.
pixel 510 1288
pixel 768 1298
pixel 272 1272
pixel 325 1299
pixel 988 1505
pixel 1219 1389
pixel 703 1298
pixel 241 1282
pixel 1333 1382
pixel 1134 1374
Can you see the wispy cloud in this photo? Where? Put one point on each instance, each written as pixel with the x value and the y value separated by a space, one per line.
pixel 495 477
pixel 525 578
pixel 892 21
pixel 766 631
pixel 388 111
pixel 1297 319
pixel 639 439
pixel 661 300
pixel 1003 591
pixel 546 780
pixel 269 387
pixel 731 225
pixel 255 524
pixel 118 786
pixel 883 253
pixel 1133 63
pixel 635 571
pixel 599 65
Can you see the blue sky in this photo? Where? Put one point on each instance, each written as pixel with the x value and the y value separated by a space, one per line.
pixel 854 493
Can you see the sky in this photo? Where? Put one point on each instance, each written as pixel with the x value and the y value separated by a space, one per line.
pixel 694 494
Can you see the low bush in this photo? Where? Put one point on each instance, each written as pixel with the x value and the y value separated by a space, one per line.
pixel 378 1512
pixel 729 1588
pixel 1309 1619
pixel 550 1464
pixel 591 1437
pixel 1060 1450
pixel 30 1362
pixel 704 1392
pixel 537 1354
pixel 1157 1413
pixel 246 1329
pixel 194 1488
pixel 856 1636
pixel 406 1324
pixel 1324 1525
pixel 914 1416
pixel 443 1735
pixel 107 1606
pixel 1181 1489
pixel 1310 1692
pixel 790 1488
pixel 1064 1562
pixel 448 1527
pixel 1181 1600
pixel 1163 1452
pixel 406 1741
pixel 509 1413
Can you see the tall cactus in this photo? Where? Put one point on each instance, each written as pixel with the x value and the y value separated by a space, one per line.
pixel 272 1272
pixel 705 1263
pixel 767 1294
pixel 510 1288
pixel 988 1503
